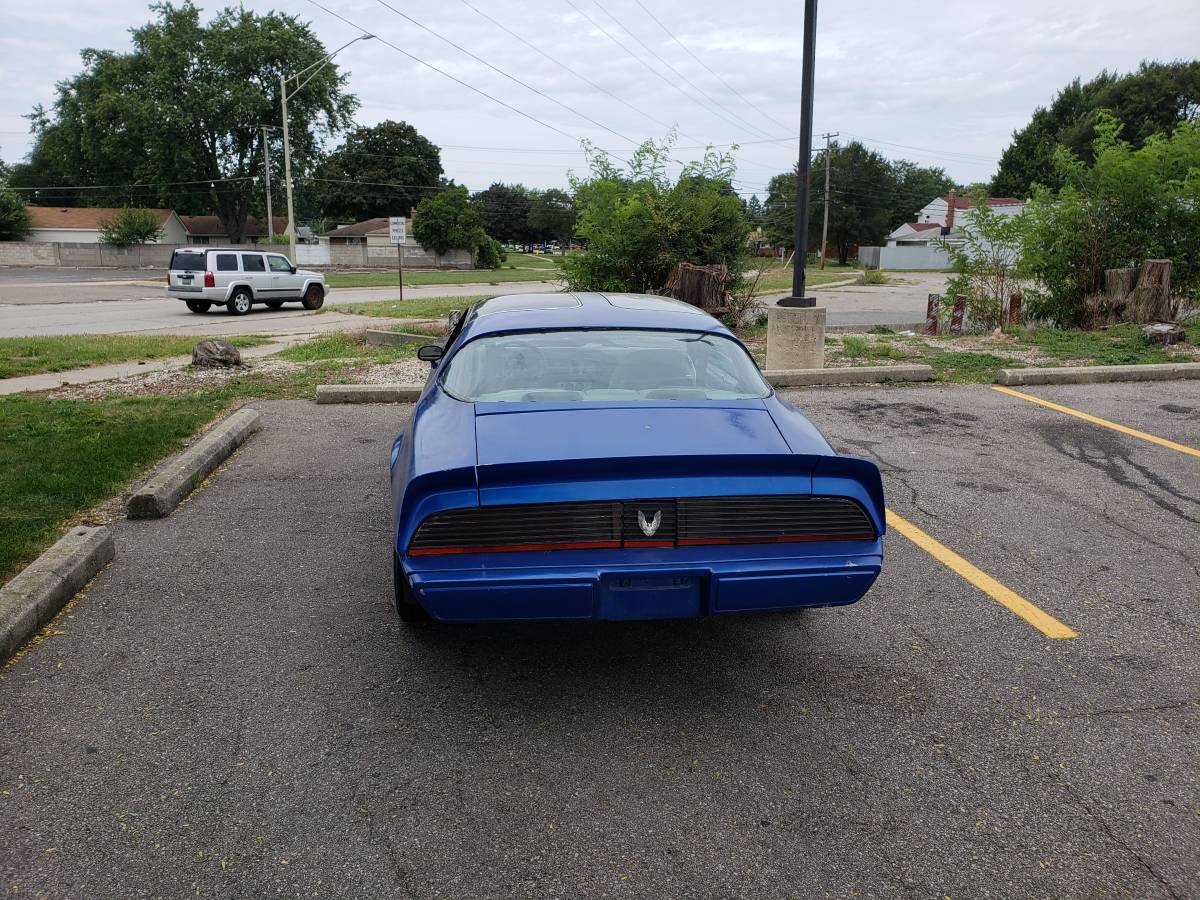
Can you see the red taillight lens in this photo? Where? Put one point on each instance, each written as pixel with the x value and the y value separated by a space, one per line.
pixel 210 280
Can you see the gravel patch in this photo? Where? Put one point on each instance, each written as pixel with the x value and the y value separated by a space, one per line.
pixel 404 371
pixel 171 381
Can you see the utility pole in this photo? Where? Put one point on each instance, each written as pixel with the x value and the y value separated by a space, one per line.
pixel 825 225
pixel 800 222
pixel 267 170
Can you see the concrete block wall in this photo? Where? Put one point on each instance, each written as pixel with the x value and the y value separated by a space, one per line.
pixel 28 253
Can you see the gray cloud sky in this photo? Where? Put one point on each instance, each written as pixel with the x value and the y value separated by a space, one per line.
pixel 941 84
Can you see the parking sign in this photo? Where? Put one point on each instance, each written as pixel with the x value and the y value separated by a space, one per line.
pixel 396 229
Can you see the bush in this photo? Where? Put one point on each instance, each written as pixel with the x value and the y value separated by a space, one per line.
pixel 987 263
pixel 637 224
pixel 448 221
pixel 874 276
pixel 129 227
pixel 14 220
pixel 1131 205
pixel 489 254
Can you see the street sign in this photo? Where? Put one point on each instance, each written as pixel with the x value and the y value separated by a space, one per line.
pixel 396 229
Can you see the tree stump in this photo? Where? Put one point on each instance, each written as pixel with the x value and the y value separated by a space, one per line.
pixel 702 286
pixel 1150 301
pixel 216 354
pixel 1119 284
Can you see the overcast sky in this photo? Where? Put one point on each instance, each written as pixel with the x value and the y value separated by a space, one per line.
pixel 941 84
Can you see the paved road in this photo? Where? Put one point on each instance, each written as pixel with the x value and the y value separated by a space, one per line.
pixel 106 301
pixel 232 709
pixel 158 314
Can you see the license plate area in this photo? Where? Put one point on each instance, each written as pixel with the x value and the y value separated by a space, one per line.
pixel 651 596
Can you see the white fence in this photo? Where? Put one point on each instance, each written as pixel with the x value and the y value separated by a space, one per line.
pixel 932 258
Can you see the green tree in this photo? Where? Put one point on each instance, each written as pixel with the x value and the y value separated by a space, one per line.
pixel 448 221
pixel 777 223
pixel 754 211
pixel 14 220
pixel 503 211
pixel 354 180
pixel 1129 206
pixel 1152 100
pixel 129 227
pixel 178 116
pixel 637 224
pixel 914 187
pixel 552 216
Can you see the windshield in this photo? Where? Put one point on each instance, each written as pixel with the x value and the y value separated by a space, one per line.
pixel 616 364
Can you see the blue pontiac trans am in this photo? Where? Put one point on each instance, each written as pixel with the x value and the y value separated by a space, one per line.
pixel 617 456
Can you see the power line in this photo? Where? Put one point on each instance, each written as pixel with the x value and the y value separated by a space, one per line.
pixel 703 93
pixel 507 75
pixel 647 66
pixel 458 80
pixel 688 51
pixel 565 67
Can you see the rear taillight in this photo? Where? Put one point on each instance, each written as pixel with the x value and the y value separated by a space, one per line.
pixel 643 524
pixel 210 280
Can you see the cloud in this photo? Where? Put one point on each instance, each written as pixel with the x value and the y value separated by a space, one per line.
pixel 952 80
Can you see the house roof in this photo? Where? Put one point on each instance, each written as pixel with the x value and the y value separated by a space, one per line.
pixel 82 217
pixel 211 226
pixel 358 229
pixel 968 203
pixel 923 226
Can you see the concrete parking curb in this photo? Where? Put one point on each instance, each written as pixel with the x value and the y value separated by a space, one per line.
pixel 1098 374
pixel 180 476
pixel 368 393
pixel 36 595
pixel 787 378
pixel 398 338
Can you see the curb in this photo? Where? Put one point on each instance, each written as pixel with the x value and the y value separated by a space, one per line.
pixel 786 378
pixel 368 393
pixel 864 328
pixel 36 595
pixel 1098 374
pixel 176 479
pixel 398 338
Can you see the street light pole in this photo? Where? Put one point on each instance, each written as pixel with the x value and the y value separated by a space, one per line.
pixel 267 171
pixel 287 173
pixel 800 222
pixel 287 149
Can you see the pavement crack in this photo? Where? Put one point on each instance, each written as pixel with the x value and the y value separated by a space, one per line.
pixel 1120 842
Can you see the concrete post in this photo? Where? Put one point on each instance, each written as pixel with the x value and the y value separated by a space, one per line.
pixel 795 337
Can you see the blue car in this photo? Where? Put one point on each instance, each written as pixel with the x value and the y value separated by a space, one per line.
pixel 617 456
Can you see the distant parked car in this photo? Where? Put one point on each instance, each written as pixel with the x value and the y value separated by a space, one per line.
pixel 617 456
pixel 206 276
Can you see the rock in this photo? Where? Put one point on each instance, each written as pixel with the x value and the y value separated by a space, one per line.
pixel 216 355
pixel 1165 333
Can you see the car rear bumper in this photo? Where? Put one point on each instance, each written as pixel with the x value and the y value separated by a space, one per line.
pixel 620 585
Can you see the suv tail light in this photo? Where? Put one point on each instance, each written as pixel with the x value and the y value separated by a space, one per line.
pixel 210 280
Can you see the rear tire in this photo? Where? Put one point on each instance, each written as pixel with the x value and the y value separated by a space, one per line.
pixel 239 304
pixel 274 304
pixel 198 306
pixel 314 297
pixel 409 609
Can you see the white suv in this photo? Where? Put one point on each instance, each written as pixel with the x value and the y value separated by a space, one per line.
pixel 204 276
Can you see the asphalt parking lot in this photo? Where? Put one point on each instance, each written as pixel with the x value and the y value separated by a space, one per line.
pixel 233 710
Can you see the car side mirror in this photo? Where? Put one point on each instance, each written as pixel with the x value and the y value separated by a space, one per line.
pixel 293 268
pixel 430 353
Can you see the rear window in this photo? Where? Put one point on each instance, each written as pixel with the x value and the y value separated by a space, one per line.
pixel 252 263
pixel 602 365
pixel 226 262
pixel 187 261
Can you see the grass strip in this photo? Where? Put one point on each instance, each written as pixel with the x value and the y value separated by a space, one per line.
pixel 58 353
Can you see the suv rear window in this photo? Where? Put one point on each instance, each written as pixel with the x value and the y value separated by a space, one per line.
pixel 226 262
pixel 252 263
pixel 187 261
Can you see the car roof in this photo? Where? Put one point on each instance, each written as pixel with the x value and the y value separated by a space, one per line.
pixel 585 309
pixel 203 248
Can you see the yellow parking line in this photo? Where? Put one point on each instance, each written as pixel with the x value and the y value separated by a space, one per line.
pixel 1096 420
pixel 1042 621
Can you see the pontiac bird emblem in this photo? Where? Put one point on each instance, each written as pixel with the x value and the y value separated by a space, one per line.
pixel 648 528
